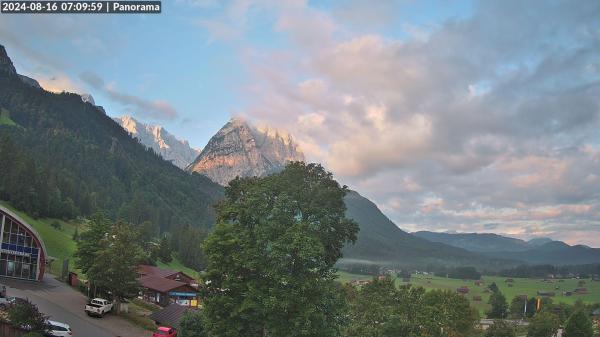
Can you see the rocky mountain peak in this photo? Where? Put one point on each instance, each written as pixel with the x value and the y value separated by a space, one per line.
pixel 160 140
pixel 241 149
pixel 6 64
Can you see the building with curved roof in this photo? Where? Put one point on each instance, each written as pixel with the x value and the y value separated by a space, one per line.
pixel 22 252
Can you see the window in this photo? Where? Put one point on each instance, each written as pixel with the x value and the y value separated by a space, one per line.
pixel 18 265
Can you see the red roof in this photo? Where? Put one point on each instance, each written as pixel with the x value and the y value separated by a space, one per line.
pixel 155 271
pixel 146 270
pixel 160 284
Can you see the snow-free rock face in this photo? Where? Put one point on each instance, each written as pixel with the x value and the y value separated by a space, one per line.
pixel 87 98
pixel 179 152
pixel 30 81
pixel 6 64
pixel 239 149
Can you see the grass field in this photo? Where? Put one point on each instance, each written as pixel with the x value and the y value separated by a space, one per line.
pixel 520 286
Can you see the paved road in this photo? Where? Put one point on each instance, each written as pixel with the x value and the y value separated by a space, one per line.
pixel 66 305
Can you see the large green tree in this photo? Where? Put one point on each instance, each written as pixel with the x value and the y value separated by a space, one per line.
pixel 90 241
pixel 271 256
pixel 115 265
pixel 520 306
pixel 499 306
pixel 579 325
pixel 544 324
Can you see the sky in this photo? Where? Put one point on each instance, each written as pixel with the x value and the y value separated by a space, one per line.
pixel 467 116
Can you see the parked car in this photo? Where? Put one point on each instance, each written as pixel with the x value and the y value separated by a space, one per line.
pixel 98 307
pixel 164 331
pixel 58 329
pixel 6 301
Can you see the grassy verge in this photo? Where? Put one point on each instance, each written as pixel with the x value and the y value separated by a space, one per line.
pixel 138 315
pixel 175 264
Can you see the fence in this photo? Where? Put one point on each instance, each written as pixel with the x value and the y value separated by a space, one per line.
pixel 7 330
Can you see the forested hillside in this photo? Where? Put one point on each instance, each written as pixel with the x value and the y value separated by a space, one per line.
pixel 381 241
pixel 64 158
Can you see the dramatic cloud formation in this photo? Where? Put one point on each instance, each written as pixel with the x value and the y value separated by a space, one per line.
pixel 489 119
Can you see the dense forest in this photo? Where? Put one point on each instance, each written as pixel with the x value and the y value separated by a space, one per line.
pixel 64 158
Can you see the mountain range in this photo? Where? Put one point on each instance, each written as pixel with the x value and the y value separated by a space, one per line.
pixel 239 149
pixel 177 151
pixel 65 157
pixel 535 251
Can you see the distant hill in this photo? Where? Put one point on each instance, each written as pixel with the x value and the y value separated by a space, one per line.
pixel 476 242
pixel 535 251
pixel 62 157
pixel 555 253
pixel 539 241
pixel 380 240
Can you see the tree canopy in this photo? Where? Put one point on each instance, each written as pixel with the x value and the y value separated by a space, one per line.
pixel 501 328
pixel 499 306
pixel 270 258
pixel 380 309
pixel 579 325
pixel 115 264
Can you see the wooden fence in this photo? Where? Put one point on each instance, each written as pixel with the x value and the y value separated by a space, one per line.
pixel 7 330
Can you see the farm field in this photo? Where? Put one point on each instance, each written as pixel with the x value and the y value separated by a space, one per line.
pixel 521 286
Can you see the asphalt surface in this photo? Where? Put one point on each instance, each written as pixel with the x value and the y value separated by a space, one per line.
pixel 66 305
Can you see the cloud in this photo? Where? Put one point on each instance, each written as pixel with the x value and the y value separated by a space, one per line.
pixel 153 109
pixel 487 119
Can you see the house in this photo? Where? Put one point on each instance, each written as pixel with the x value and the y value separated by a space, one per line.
pixel 146 270
pixel 360 282
pixel 581 291
pixel 463 290
pixel 477 298
pixel 546 293
pixel 170 315
pixel 509 280
pixel 164 287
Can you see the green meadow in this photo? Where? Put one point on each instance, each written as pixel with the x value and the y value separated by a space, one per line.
pixel 520 286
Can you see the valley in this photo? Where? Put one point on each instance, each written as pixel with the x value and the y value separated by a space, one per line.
pixel 302 169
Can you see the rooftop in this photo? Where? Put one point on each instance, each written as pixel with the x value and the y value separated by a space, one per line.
pixel 160 284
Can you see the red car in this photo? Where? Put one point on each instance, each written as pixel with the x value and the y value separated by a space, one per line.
pixel 164 331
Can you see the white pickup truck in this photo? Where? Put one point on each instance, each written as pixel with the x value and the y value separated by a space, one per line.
pixel 98 307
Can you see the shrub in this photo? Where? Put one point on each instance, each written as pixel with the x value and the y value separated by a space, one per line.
pixel 543 324
pixel 191 324
pixel 579 325
pixel 56 225
pixel 501 329
pixel 25 313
